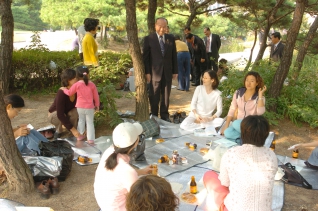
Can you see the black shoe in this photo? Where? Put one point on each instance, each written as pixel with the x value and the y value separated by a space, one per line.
pixel 167 120
pixel 195 84
pixel 180 89
pixel 311 166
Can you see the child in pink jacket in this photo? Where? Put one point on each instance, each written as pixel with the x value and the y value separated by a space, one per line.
pixel 87 103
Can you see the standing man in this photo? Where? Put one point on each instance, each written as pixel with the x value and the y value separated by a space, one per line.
pixel 277 47
pixel 160 60
pixel 212 45
pixel 198 56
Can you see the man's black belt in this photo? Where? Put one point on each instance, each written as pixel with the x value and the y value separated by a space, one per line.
pixel 182 51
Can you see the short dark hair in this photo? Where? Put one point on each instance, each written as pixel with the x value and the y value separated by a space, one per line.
pixel 66 76
pixel 258 78
pixel 15 100
pixel 254 130
pixel 214 76
pixel 187 28
pixel 177 37
pixel 207 28
pixel 276 35
pixel 189 36
pixel 91 24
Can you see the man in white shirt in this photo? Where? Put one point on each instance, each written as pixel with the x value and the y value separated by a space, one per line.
pixel 212 44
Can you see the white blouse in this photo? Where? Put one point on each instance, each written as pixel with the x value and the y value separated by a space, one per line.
pixel 249 173
pixel 205 104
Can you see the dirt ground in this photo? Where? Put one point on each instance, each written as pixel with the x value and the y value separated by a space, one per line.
pixel 76 193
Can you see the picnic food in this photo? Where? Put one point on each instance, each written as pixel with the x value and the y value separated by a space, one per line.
pixel 191 145
pixel 204 150
pixel 188 197
pixel 160 140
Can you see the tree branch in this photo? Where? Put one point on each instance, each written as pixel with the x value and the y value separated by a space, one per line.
pixel 216 9
pixel 175 12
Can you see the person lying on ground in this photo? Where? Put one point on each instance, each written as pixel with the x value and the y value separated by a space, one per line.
pixel 151 193
pixel 247 172
pixel 114 175
pixel 206 99
pixel 27 139
pixel 248 100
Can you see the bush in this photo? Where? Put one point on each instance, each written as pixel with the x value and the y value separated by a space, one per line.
pixel 32 68
pixel 231 45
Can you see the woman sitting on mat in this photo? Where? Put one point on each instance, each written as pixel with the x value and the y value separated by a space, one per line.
pixel 27 139
pixel 114 175
pixel 151 193
pixel 247 172
pixel 248 100
pixel 205 100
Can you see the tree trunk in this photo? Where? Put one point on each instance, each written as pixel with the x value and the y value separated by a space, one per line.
pixel 101 32
pixel 191 18
pixel 152 9
pixel 142 107
pixel 6 46
pixel 303 50
pixel 283 68
pixel 251 55
pixel 263 46
pixel 18 173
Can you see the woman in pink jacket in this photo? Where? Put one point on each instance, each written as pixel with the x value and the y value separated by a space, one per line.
pixel 248 100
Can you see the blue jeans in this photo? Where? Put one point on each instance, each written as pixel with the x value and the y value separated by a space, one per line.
pixel 184 70
pixel 29 143
pixel 234 130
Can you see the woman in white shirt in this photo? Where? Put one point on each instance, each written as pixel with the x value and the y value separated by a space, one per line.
pixel 114 175
pixel 205 100
pixel 247 172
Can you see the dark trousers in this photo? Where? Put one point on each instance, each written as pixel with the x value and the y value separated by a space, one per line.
pixel 212 63
pixel 199 69
pixel 184 70
pixel 160 89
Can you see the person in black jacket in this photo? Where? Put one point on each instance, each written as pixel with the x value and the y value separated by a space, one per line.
pixel 198 56
pixel 160 60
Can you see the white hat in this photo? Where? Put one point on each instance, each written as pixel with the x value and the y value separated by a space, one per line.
pixel 125 134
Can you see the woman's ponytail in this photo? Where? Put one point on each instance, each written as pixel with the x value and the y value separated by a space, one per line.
pixel 111 161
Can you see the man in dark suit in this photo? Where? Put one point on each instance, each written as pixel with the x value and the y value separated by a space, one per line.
pixel 212 45
pixel 160 59
pixel 277 47
pixel 198 56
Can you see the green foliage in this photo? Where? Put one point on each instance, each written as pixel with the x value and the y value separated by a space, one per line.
pixel 299 102
pixel 109 114
pixel 231 45
pixel 27 16
pixel 32 68
pixel 112 67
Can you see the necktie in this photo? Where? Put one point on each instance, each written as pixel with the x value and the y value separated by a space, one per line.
pixel 208 44
pixel 162 45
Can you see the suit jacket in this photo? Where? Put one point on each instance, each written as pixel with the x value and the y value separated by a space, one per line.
pixel 157 64
pixel 197 50
pixel 215 45
pixel 277 54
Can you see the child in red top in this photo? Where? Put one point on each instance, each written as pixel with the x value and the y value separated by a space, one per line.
pixel 87 103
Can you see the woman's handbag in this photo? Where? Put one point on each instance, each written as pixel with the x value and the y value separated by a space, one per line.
pixel 293 176
pixel 151 128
